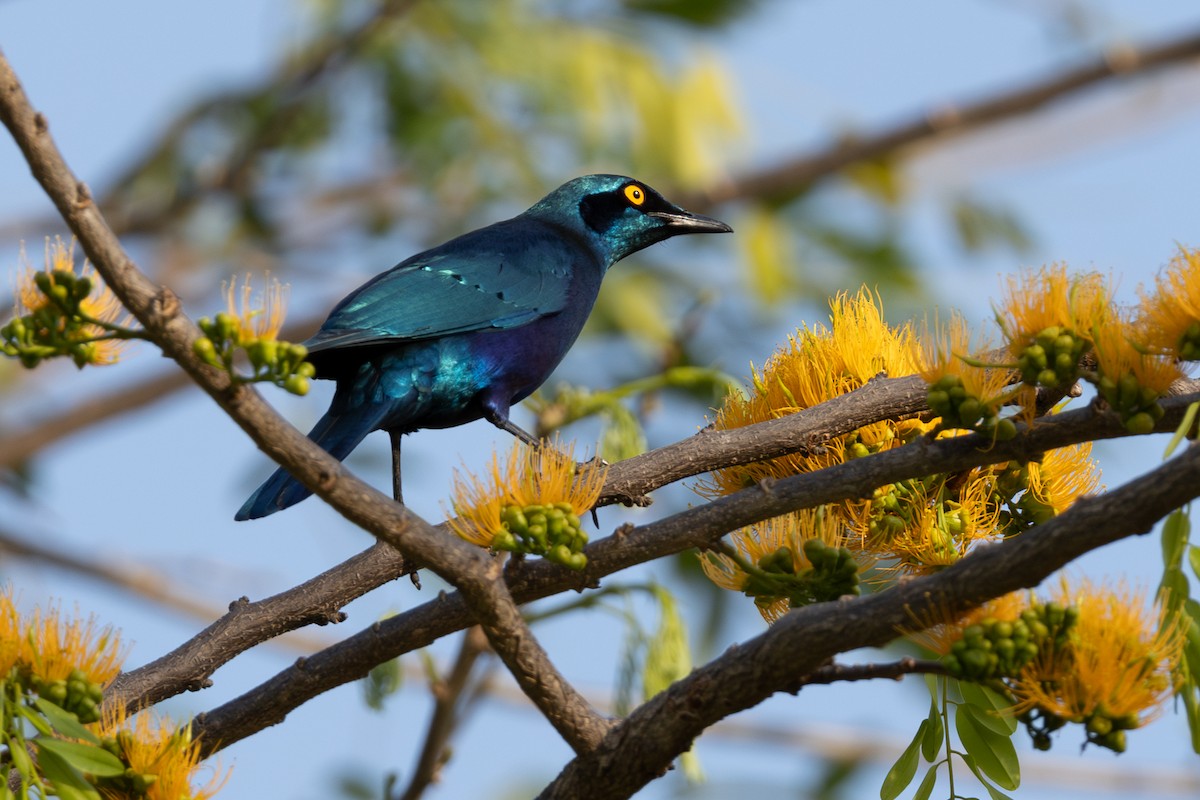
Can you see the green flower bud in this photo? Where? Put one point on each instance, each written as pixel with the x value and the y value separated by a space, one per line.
pixel 969 412
pixel 1004 430
pixel 206 351
pixel 1140 423
pixel 297 385
pixel 226 326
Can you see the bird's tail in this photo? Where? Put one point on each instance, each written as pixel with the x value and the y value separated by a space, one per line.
pixel 338 434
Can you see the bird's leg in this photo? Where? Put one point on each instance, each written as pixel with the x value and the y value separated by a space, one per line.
pixel 397 491
pixel 398 494
pixel 500 420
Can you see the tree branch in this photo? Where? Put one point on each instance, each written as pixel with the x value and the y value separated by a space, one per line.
pixel 782 181
pixel 445 717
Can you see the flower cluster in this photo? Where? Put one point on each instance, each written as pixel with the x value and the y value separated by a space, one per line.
pixel 58 741
pixel 1052 321
pixel 912 526
pixel 251 328
pixel 787 562
pixel 1085 655
pixel 61 311
pixel 530 505
pixel 961 393
pixel 1168 322
pixel 161 760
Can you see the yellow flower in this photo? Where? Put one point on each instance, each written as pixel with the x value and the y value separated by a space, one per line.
pixel 1118 669
pixel 14 644
pixel 1063 476
pixel 924 525
pixel 1169 319
pixel 940 630
pixel 1117 356
pixel 258 317
pixel 59 646
pixel 156 750
pixel 763 546
pixel 816 365
pixel 530 504
pixel 100 304
pixel 1050 319
pixel 1130 380
pixel 1049 298
pixel 943 350
pixel 946 366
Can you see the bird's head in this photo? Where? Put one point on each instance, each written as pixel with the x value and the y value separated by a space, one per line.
pixel 620 215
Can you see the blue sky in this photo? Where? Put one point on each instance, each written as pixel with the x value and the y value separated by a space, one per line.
pixel 1105 182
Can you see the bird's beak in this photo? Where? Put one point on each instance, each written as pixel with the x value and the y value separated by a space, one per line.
pixel 685 222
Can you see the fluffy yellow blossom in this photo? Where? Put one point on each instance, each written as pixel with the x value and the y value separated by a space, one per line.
pixel 58 646
pixel 1063 476
pixel 256 317
pixel 1117 671
pixel 163 759
pixel 531 503
pixel 941 630
pixel 1169 319
pixel 962 391
pixel 1132 379
pixel 924 525
pixel 949 349
pixel 13 642
pixel 818 364
pixel 100 311
pixel 1050 319
pixel 771 554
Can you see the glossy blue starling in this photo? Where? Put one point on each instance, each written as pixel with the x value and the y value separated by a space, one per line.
pixel 465 330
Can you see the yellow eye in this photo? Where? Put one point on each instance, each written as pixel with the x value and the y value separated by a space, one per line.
pixel 634 194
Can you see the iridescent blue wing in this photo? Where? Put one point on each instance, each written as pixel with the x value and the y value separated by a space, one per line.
pixel 502 276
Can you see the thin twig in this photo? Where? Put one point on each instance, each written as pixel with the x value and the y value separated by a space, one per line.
pixel 446 714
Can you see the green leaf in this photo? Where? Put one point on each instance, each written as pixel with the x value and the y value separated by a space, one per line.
pixel 68 783
pixel 931 742
pixel 383 681
pixel 925 790
pixel 1192 706
pixel 993 709
pixel 668 657
pixel 1176 584
pixel 1189 417
pixel 905 768
pixel 83 757
pixel 1194 559
pixel 40 724
pixel 995 793
pixel 992 752
pixel 1175 531
pixel 64 722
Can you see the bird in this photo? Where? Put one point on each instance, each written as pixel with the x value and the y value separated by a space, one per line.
pixel 466 329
